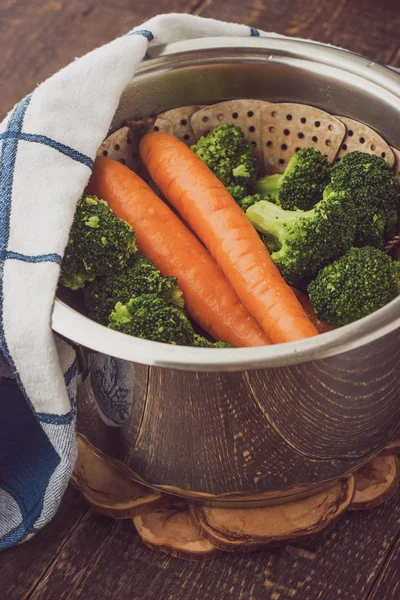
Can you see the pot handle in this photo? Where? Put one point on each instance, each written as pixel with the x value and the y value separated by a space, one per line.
pixel 112 384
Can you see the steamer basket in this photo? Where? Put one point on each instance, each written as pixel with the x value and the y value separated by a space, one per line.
pixel 265 423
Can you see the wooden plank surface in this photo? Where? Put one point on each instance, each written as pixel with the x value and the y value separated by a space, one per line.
pixel 39 37
pixel 387 585
pixel 105 559
pixel 83 555
pixel 23 566
pixel 366 27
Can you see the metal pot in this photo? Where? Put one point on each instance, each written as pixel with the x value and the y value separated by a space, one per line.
pixel 274 420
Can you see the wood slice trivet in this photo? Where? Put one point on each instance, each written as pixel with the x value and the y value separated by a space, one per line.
pixel 197 532
pixel 171 530
pixel 109 490
pixel 246 529
pixel 375 482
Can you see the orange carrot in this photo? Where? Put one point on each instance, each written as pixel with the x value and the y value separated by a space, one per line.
pixel 165 240
pixel 308 309
pixel 209 209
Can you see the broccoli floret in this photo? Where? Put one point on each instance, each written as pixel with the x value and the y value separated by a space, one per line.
pixel 201 342
pixel 374 191
pixel 98 244
pixel 356 285
pixel 303 182
pixel 151 318
pixel 249 201
pixel 308 239
pixel 371 228
pixel 270 242
pixel 230 157
pixel 171 292
pixel 139 277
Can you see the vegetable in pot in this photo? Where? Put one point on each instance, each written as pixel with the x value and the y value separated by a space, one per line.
pixel 230 157
pixel 151 318
pixel 168 243
pixel 139 277
pixel 356 285
pixel 308 240
pixel 301 185
pixel 98 244
pixel 373 189
pixel 209 209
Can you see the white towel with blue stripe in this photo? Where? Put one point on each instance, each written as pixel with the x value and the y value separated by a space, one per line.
pixel 47 146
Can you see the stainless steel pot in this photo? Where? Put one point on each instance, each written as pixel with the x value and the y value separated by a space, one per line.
pixel 280 419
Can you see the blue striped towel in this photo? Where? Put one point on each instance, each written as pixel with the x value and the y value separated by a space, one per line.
pixel 47 146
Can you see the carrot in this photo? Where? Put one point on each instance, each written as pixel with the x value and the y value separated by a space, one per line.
pixel 211 212
pixel 308 309
pixel 165 240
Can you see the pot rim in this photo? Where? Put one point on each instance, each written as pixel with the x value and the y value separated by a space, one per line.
pixel 80 329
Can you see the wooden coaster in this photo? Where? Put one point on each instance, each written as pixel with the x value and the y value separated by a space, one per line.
pixel 107 488
pixel 251 529
pixel 197 532
pixel 243 113
pixel 376 482
pixel 171 530
pixel 392 448
pixel 363 138
pixel 285 128
pixel 177 122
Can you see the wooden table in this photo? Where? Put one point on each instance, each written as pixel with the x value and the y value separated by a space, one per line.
pixel 82 555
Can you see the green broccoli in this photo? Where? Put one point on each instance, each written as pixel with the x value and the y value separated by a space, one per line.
pixel 171 292
pixel 270 242
pixel 308 240
pixel 302 184
pixel 139 277
pixel 248 201
pixel 374 191
pixel 229 155
pixel 201 342
pixel 356 285
pixel 151 318
pixel 98 244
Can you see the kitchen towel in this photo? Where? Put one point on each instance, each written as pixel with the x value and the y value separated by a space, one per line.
pixel 47 146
